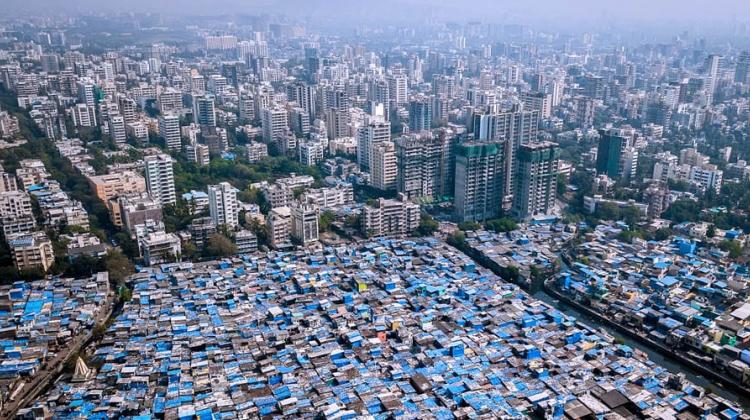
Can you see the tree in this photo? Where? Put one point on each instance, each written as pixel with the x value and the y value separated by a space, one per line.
pixel 683 211
pixel 607 211
pixel 189 251
pixel 326 219
pixel 353 220
pixel 734 248
pixel 470 225
pixel 118 266
pixel 509 273
pixel 220 246
pixel 711 231
pixel 662 234
pixel 457 239
pixel 630 215
pixel 504 224
pixel 427 225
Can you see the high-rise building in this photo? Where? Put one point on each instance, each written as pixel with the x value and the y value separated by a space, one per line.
pixel 305 223
pixel 337 123
pixel 616 156
pixel 742 70
pixel 84 115
pixel 50 63
pixel 86 94
pixel 275 124
pixel 536 185
pixel 170 100
pixel 418 160
pixel 247 108
pixel 299 122
pixel 420 114
pixel 368 137
pixel 128 108
pixel 712 67
pixel 223 206
pixel 479 181
pixel 516 128
pixel 204 110
pixel 169 130
pixel 584 112
pixel 305 96
pixel 117 129
pixel 384 166
pixel 379 94
pixel 538 101
pixel 160 178
pixel 280 227
pixel 397 88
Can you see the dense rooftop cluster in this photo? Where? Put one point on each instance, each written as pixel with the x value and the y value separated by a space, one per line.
pixel 41 318
pixel 390 327
pixel 687 297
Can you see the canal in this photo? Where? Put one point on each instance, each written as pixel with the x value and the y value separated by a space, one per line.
pixel 668 363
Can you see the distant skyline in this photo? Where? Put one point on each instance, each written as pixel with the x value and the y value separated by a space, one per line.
pixel 647 12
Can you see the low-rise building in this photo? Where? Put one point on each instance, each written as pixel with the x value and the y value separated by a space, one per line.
pixel 160 247
pixel 246 242
pixel 31 251
pixel 389 217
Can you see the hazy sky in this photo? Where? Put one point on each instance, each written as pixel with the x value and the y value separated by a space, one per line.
pixel 647 11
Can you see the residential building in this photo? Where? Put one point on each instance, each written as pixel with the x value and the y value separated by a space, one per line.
pixel 479 181
pixel 33 250
pixel 117 129
pixel 160 178
pixel 305 223
pixel 204 110
pixel 136 209
pixel 280 227
pixel 256 151
pixel 246 242
pixel 384 170
pixel 275 123
pixel 368 137
pixel 109 186
pixel 390 217
pixel 201 229
pixel 223 205
pixel 418 158
pixel 160 247
pixel 169 131
pixel 536 184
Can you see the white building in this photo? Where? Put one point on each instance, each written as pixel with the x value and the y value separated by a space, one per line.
pixel 368 137
pixel 160 247
pixel 389 217
pixel 169 131
pixel 222 202
pixel 117 129
pixel 280 227
pixel 160 178
pixel 305 223
pixel 384 170
pixel 256 151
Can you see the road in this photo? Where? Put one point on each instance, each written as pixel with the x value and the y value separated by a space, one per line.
pixel 52 368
